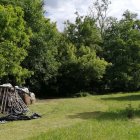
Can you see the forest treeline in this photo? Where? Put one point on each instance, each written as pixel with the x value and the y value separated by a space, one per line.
pixel 96 53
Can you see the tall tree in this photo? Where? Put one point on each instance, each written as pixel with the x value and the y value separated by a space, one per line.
pixel 42 53
pixel 83 32
pixel 98 11
pixel 14 40
pixel 81 66
pixel 122 49
pixel 42 58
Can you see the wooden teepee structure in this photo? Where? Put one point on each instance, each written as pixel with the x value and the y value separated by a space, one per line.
pixel 11 102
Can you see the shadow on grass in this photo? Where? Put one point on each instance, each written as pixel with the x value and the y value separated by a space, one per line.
pixel 124 98
pixel 99 115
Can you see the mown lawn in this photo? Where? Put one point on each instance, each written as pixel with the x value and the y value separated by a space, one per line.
pixel 90 118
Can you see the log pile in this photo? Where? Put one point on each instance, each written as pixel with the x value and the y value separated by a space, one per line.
pixel 11 102
pixel 12 105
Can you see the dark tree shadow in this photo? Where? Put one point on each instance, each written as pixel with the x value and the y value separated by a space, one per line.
pixel 99 115
pixel 124 98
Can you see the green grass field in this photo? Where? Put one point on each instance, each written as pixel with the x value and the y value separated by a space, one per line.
pixel 89 118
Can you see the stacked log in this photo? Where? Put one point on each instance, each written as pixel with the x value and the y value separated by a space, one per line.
pixel 11 102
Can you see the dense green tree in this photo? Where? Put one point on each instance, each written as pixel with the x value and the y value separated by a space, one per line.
pixel 80 67
pixel 42 58
pixel 122 49
pixel 42 53
pixel 14 40
pixel 33 51
pixel 80 64
pixel 83 32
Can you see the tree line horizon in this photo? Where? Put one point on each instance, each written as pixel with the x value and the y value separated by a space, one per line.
pixel 96 54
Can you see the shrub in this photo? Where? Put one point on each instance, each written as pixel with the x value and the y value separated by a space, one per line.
pixel 130 111
pixel 82 94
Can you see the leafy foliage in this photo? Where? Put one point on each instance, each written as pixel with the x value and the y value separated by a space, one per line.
pixel 95 53
pixel 81 66
pixel 14 39
pixel 83 32
pixel 42 58
pixel 122 49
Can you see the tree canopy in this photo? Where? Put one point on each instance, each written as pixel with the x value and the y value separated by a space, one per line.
pixel 14 40
pixel 96 53
pixel 122 49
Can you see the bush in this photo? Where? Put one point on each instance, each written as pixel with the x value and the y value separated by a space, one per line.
pixel 82 94
pixel 130 111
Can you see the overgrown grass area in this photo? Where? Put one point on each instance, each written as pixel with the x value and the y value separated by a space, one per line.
pixel 89 118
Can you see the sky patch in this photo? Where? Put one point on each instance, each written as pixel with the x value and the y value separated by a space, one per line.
pixel 61 10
